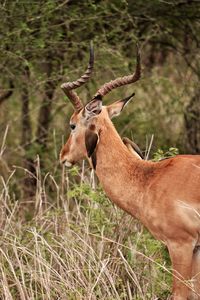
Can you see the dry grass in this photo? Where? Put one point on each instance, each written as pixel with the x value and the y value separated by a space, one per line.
pixel 77 247
pixel 69 242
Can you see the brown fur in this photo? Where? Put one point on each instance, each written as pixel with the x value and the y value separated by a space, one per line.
pixel 164 195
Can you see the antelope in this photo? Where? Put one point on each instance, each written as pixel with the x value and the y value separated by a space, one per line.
pixel 164 195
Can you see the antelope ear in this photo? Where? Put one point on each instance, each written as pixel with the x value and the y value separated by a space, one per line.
pixel 93 108
pixel 132 147
pixel 116 108
pixel 91 140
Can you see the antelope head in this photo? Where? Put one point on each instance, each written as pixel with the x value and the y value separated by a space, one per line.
pixel 88 121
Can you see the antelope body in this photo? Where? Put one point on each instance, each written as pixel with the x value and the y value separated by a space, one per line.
pixel 164 196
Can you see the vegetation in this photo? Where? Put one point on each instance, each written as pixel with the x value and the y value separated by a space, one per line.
pixel 77 247
pixel 60 236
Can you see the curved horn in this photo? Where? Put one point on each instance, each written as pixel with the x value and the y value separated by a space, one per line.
pixel 67 87
pixel 109 86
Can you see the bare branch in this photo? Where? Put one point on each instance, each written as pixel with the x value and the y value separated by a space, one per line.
pixel 7 94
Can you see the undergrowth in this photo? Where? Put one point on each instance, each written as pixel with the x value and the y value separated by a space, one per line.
pixel 78 246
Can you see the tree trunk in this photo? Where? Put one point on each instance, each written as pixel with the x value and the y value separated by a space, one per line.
pixel 192 124
pixel 29 165
pixel 44 117
pixel 45 114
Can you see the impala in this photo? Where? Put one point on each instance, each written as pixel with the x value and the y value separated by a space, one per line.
pixel 164 195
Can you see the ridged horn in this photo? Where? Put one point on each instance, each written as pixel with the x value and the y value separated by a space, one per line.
pixel 120 81
pixel 68 87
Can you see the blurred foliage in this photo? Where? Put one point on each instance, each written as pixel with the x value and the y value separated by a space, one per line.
pixel 37 34
pixel 56 35
pixel 160 154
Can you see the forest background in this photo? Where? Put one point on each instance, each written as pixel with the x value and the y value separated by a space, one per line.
pixel 61 238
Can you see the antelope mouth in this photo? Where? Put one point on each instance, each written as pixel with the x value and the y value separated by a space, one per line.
pixel 68 164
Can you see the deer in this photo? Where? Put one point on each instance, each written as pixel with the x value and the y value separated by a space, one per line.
pixel 163 195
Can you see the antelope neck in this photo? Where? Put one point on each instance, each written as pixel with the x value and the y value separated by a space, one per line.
pixel 120 173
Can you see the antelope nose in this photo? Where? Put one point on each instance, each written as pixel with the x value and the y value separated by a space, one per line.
pixel 62 161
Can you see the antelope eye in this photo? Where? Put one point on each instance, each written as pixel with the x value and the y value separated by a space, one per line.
pixel 72 126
